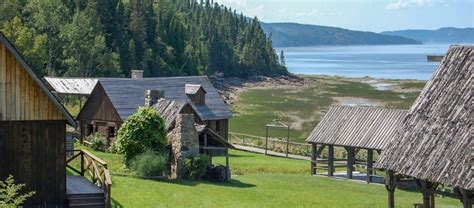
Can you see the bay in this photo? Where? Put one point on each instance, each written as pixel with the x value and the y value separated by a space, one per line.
pixel 383 61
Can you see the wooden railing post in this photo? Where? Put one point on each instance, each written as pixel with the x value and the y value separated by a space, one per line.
pixel 82 163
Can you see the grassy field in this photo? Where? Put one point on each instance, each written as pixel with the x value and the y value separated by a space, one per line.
pixel 304 106
pixel 258 181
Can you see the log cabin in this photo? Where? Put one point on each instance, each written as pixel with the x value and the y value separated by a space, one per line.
pixel 114 99
pixel 435 142
pixel 32 131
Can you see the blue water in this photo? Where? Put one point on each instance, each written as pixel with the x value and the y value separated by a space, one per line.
pixel 388 61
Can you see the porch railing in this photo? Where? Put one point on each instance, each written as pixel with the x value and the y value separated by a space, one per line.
pixel 94 169
pixel 277 145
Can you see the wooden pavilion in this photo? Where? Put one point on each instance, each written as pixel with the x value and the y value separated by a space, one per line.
pixel 353 129
pixel 32 130
pixel 435 143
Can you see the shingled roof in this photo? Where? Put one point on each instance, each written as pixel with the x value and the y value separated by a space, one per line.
pixel 71 86
pixel 361 127
pixel 435 141
pixel 169 110
pixel 128 94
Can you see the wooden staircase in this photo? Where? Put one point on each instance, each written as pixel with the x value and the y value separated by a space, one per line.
pixel 91 187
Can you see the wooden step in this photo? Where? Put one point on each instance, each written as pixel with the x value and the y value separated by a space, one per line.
pixel 88 205
pixel 86 200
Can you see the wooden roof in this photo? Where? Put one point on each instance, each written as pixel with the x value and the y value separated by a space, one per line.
pixel 170 109
pixel 193 89
pixel 435 141
pixel 39 83
pixel 128 94
pixel 361 127
pixel 71 86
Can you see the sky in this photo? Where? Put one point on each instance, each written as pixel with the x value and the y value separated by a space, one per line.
pixel 365 15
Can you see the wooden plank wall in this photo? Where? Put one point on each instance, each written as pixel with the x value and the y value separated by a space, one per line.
pixel 34 153
pixel 20 96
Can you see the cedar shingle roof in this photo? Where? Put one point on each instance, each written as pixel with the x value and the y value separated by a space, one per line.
pixel 435 141
pixel 169 110
pixel 361 127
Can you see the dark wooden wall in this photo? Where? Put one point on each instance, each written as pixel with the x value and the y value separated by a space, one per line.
pixel 34 153
pixel 220 126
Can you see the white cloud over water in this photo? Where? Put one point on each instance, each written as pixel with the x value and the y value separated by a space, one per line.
pixel 401 4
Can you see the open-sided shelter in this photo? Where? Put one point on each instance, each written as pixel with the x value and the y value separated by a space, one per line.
pixel 32 130
pixel 354 129
pixel 435 143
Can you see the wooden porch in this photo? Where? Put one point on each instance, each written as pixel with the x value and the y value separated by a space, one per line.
pixel 91 187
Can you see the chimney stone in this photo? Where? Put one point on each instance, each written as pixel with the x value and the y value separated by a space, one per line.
pixel 152 97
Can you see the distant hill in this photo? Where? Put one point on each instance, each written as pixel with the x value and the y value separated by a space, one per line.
pixel 443 35
pixel 293 34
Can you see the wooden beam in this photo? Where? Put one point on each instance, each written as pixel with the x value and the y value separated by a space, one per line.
pixel 390 186
pixel 331 160
pixel 370 161
pixel 427 189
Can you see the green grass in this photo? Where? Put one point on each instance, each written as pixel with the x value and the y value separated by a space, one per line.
pixel 304 106
pixel 413 85
pixel 262 181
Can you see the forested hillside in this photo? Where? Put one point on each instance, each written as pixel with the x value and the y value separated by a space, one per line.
pixel 443 35
pixel 162 37
pixel 293 34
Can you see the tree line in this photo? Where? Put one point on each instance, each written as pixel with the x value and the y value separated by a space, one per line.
pixel 109 38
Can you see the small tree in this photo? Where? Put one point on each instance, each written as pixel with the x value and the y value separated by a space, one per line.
pixel 9 193
pixel 143 131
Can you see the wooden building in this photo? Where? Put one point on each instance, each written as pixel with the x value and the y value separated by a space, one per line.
pixel 32 130
pixel 354 129
pixel 114 99
pixel 435 142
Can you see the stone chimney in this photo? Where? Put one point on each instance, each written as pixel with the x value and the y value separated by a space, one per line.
pixel 152 97
pixel 137 74
pixel 184 140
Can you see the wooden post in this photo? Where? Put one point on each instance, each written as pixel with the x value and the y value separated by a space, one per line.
pixel 466 198
pixel 313 158
pixel 288 141
pixel 350 161
pixel 331 160
pixel 82 163
pixel 205 142
pixel 227 166
pixel 266 141
pixel 390 186
pixel 427 189
pixel 370 161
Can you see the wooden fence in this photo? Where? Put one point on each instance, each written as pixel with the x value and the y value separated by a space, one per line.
pixel 272 144
pixel 94 169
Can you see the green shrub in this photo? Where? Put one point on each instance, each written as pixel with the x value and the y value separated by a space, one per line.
pixel 196 167
pixel 149 164
pixel 10 193
pixel 143 131
pixel 97 141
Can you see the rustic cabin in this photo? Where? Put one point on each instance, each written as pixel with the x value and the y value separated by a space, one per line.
pixel 32 130
pixel 114 99
pixel 71 87
pixel 191 136
pixel 435 142
pixel 353 129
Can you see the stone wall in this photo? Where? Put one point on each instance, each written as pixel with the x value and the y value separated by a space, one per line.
pixel 184 141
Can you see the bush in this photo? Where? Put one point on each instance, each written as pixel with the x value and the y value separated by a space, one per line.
pixel 97 141
pixel 196 167
pixel 149 164
pixel 143 131
pixel 9 193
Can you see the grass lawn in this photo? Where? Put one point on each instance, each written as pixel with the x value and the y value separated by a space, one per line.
pixel 260 181
pixel 304 106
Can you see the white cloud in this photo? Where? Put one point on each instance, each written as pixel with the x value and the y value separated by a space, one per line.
pixel 402 4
